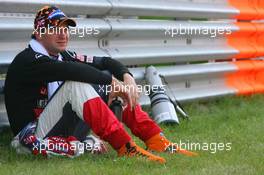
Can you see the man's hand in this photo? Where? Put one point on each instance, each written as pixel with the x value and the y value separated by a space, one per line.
pixel 119 90
pixel 131 86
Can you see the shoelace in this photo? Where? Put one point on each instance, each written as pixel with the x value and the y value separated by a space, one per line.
pixel 133 150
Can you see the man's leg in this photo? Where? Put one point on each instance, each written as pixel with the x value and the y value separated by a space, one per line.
pixel 139 122
pixel 89 107
pixel 95 113
pixel 148 131
pixel 69 125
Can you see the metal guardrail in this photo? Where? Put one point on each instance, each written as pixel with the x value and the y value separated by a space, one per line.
pixel 211 9
pixel 71 7
pixel 178 9
pixel 131 41
pixel 3 116
pixel 192 82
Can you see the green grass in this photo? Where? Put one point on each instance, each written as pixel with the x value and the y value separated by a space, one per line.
pixel 238 120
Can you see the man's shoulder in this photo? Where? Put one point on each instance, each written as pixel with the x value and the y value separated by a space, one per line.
pixel 29 54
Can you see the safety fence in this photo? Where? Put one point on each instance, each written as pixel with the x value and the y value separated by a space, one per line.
pixel 221 9
pixel 214 56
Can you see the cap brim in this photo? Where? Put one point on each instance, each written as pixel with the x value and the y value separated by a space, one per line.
pixel 69 22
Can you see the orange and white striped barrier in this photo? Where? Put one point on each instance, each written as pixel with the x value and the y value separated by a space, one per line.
pixel 248 40
pixel 248 9
pixel 248 78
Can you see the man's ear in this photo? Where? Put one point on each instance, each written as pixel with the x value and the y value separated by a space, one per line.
pixel 38 36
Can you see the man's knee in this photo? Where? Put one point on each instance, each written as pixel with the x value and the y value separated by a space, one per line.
pixel 79 92
pixel 80 87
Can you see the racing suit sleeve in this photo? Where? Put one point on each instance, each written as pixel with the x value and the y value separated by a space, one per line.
pixel 112 65
pixel 45 69
pixel 103 63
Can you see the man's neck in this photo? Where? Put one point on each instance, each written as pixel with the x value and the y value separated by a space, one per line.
pixel 54 55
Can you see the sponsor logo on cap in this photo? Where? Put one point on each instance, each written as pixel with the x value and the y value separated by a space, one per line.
pixel 57 13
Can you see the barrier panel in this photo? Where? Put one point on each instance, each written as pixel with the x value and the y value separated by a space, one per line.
pixel 139 42
pixel 211 9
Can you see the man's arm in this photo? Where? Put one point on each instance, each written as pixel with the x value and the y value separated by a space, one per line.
pixel 115 67
pixel 106 63
pixel 48 70
pixel 103 63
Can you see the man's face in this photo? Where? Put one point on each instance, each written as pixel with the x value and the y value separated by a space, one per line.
pixel 55 40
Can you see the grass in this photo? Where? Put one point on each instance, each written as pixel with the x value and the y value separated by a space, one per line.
pixel 235 120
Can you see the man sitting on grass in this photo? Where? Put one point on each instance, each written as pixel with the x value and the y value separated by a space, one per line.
pixel 51 99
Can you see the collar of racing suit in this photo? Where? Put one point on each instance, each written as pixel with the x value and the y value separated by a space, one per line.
pixel 37 47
